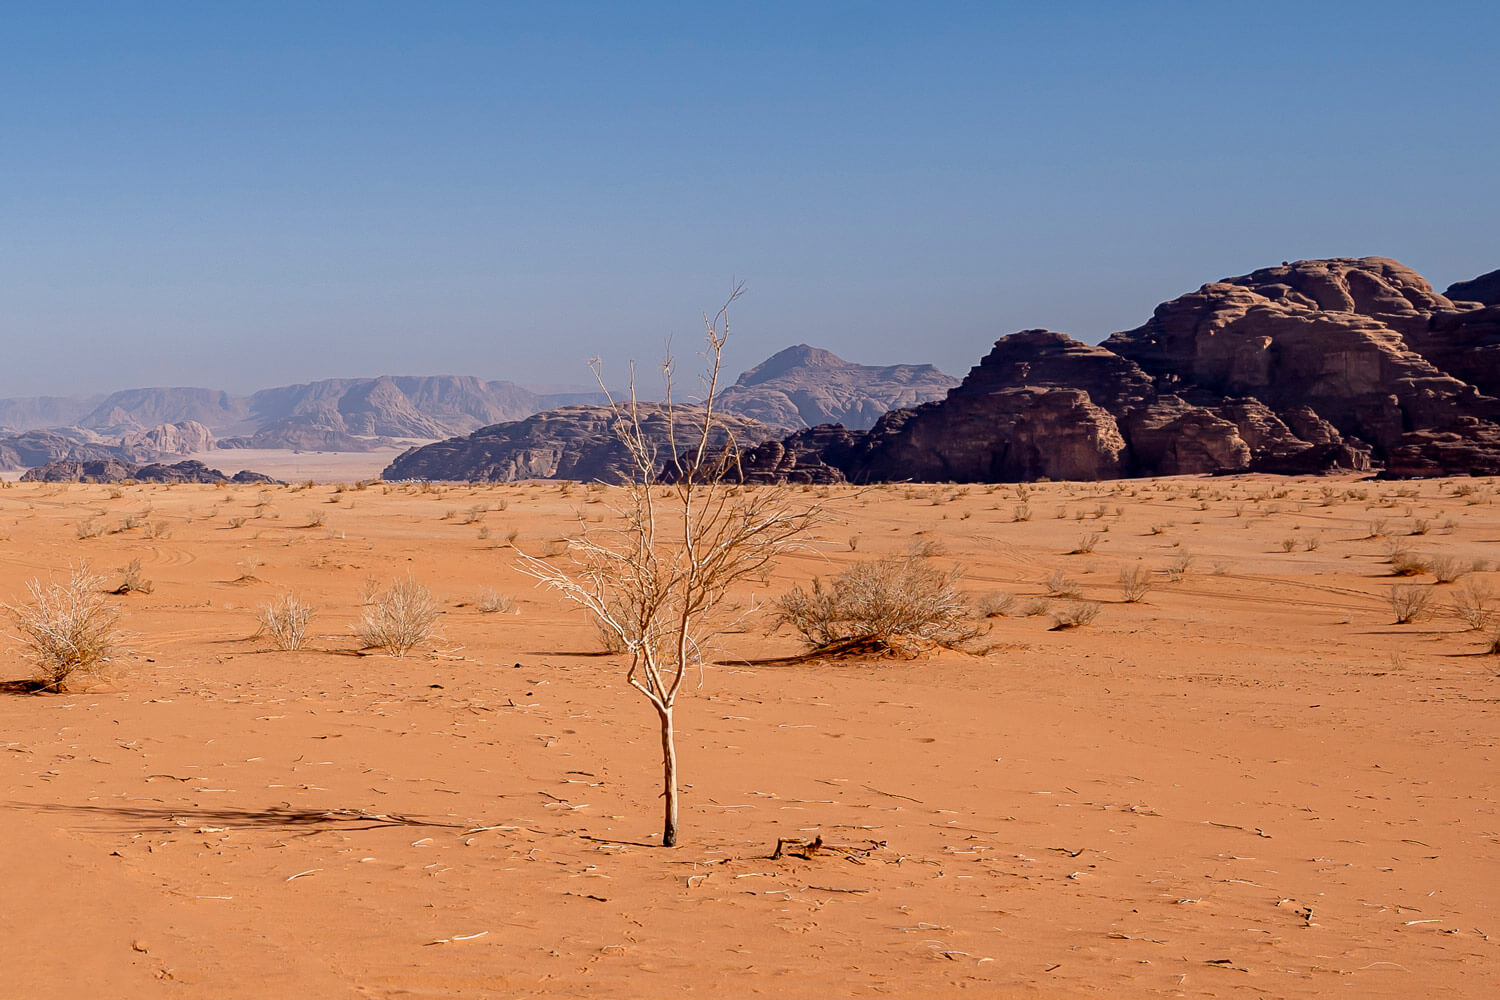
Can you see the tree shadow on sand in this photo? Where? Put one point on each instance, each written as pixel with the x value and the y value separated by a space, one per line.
pixel 164 819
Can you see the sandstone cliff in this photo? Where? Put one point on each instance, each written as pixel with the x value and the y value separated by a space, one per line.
pixel 1301 368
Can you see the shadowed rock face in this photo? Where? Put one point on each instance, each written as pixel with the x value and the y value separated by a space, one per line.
pixel 23 451
pixel 1301 368
pixel 1484 289
pixel 572 442
pixel 804 386
pixel 114 471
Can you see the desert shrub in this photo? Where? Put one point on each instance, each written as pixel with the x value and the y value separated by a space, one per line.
pixel 927 548
pixel 399 618
pixel 1059 585
pixel 492 602
pixel 1409 603
pixel 92 528
pixel 996 604
pixel 896 604
pixel 1086 544
pixel 1311 543
pixel 248 566
pixel 1404 563
pixel 1447 569
pixel 1289 543
pixel 133 580
pixel 1471 604
pixel 284 621
pixel 1135 581
pixel 1075 614
pixel 1036 608
pixel 1021 512
pixel 68 628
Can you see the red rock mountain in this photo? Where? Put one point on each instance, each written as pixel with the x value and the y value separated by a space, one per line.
pixel 1313 365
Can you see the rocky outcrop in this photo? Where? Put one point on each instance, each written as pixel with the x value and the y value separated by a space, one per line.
pixel 572 442
pixel 1331 334
pixel 1484 289
pixel 1301 368
pixel 1468 446
pixel 804 386
pixel 186 438
pixel 22 451
pixel 114 471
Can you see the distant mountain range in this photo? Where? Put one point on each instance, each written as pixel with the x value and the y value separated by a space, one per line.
pixel 796 387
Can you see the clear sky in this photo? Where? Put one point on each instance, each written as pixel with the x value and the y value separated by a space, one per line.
pixel 248 194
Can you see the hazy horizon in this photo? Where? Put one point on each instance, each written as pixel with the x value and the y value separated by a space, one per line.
pixel 237 198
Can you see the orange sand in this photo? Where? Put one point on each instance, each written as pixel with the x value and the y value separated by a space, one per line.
pixel 1250 784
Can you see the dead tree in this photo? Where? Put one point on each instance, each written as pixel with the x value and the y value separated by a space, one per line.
pixel 657 577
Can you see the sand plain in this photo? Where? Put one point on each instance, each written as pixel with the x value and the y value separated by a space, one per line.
pixel 1251 783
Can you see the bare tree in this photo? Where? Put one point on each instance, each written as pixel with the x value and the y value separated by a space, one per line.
pixel 656 578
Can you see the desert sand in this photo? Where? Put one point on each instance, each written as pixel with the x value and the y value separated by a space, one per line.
pixel 1251 783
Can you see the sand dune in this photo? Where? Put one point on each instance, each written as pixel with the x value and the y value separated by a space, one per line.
pixel 1251 783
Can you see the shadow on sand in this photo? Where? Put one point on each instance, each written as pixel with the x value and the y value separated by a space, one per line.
pixel 162 819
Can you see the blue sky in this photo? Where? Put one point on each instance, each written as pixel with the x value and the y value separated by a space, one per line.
pixel 240 195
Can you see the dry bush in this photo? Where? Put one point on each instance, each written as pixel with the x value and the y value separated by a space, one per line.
pixel 928 548
pixel 92 528
pixel 1086 544
pixel 1178 568
pixel 1404 563
pixel 369 590
pixel 399 619
pixel 1289 543
pixel 492 602
pixel 1075 614
pixel 1036 608
pixel 67 628
pixel 133 580
pixel 897 604
pixel 1409 603
pixel 997 604
pixel 1447 569
pixel 1135 581
pixel 1059 585
pixel 1021 512
pixel 284 621
pixel 248 566
pixel 1471 604
pixel 1311 543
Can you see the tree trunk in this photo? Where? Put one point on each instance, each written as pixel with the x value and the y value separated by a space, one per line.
pixel 669 777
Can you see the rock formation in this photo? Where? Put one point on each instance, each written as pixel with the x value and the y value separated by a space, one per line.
pixel 572 442
pixel 185 438
pixel 114 471
pixel 22 451
pixel 1301 368
pixel 804 386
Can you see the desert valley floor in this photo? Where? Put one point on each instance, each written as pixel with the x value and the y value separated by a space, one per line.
pixel 1250 783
